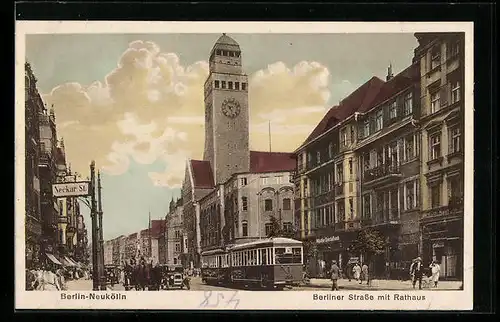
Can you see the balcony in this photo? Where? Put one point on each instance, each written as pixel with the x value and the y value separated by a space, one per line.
pixel 382 174
pixel 454 207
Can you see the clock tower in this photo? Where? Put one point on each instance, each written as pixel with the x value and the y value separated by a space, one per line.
pixel 226 112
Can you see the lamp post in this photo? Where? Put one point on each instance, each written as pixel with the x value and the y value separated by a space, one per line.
pixel 101 240
pixel 93 215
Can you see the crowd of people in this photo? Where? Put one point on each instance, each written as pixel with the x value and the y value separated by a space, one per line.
pixel 51 277
pixel 360 273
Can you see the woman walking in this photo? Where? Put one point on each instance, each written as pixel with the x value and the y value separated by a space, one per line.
pixel 356 270
pixel 435 270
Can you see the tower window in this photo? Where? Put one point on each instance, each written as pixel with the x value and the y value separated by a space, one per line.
pixel 223 84
pixel 237 86
pixel 230 84
pixel 231 54
pixel 218 52
pixel 216 84
pixel 244 86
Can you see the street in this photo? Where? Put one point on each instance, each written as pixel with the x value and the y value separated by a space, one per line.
pixel 196 285
pixel 316 285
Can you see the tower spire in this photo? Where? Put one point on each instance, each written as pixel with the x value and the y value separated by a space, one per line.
pixel 389 72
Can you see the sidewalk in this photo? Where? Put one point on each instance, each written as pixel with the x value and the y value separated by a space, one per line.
pixel 379 285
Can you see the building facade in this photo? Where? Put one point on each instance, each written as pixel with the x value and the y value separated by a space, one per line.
pixel 175 234
pixel 33 219
pixel 327 181
pixel 388 150
pixel 441 58
pixel 48 175
pixel 390 158
pixel 108 252
pixel 242 209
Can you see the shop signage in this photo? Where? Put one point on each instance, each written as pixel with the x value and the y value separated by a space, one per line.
pixel 325 240
pixel 70 189
pixel 438 245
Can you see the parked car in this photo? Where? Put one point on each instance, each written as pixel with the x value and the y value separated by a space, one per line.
pixel 174 278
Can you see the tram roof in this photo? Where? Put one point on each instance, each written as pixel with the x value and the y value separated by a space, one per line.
pixel 274 241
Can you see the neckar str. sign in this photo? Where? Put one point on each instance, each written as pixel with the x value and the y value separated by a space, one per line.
pixel 70 189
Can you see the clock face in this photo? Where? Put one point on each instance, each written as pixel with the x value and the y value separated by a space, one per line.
pixel 231 108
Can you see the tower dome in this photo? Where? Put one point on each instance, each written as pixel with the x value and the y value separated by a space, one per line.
pixel 226 43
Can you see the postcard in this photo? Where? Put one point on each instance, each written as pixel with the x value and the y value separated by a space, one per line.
pixel 223 165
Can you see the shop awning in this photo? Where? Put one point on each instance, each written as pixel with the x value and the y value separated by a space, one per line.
pixel 53 259
pixel 68 261
pixel 74 262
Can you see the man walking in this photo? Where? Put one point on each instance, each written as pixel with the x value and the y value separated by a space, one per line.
pixel 416 271
pixel 334 275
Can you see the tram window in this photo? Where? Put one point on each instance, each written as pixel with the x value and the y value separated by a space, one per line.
pixel 287 255
pixel 264 256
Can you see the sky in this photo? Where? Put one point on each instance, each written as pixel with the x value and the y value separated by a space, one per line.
pixel 134 102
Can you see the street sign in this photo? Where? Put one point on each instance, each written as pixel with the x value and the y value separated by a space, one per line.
pixel 70 189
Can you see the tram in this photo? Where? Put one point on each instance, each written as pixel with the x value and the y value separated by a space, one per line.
pixel 267 263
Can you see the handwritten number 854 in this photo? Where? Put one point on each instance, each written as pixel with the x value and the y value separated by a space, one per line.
pixel 214 300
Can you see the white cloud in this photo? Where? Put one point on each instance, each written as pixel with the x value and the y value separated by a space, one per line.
pixel 150 108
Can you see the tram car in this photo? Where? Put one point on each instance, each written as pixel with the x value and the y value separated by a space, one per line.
pixel 266 263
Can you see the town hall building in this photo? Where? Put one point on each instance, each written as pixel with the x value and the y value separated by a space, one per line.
pixel 232 194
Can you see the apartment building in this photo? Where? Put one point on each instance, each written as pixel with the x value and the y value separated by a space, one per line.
pixel 388 150
pixel 327 179
pixel 441 57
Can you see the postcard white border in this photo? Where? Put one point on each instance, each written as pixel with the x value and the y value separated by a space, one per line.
pixel 300 300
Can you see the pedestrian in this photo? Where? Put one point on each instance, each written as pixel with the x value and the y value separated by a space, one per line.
pixel 364 270
pixel 334 275
pixel 435 270
pixel 356 272
pixel 416 271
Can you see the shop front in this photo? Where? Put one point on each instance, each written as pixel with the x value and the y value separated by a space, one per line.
pixel 443 243
pixel 334 247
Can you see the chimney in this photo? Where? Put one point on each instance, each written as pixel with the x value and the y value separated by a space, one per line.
pixel 389 73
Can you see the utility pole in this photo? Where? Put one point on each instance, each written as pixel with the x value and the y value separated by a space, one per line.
pixel 101 240
pixel 93 216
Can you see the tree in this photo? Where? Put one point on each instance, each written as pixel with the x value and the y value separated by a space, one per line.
pixel 369 242
pixel 277 229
